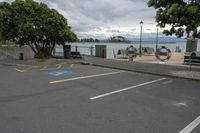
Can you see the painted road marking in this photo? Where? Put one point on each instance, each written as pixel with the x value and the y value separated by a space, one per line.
pixel 34 70
pixel 19 70
pixel 59 66
pixel 60 73
pixel 44 68
pixel 41 68
pixel 84 77
pixel 191 126
pixel 125 89
pixel 72 65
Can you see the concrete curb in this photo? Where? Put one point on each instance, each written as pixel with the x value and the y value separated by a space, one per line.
pixel 112 67
pixel 147 72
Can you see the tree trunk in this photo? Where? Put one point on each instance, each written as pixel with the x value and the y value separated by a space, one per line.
pixel 191 45
pixel 43 53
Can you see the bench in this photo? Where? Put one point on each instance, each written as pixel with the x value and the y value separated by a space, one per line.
pixel 76 55
pixel 148 50
pixel 192 58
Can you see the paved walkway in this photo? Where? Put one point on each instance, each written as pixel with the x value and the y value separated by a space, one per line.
pixel 156 69
pixel 188 72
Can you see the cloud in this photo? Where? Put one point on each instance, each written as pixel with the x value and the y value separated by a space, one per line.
pixel 104 17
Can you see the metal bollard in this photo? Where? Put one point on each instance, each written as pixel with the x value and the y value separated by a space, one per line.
pixel 21 56
pixel 91 51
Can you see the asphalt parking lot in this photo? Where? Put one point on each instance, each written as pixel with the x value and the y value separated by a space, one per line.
pixel 73 98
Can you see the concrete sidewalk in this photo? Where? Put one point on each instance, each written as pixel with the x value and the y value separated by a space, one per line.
pixel 185 72
pixel 189 72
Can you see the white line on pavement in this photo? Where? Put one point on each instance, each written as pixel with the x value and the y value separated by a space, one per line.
pixel 191 126
pixel 19 70
pixel 125 89
pixel 85 77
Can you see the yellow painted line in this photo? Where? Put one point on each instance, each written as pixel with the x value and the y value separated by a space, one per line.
pixel 20 70
pixel 84 77
pixel 59 66
pixel 37 70
pixel 44 68
pixel 29 68
pixel 72 65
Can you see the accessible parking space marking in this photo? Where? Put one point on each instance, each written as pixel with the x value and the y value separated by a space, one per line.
pixel 85 77
pixel 125 89
pixel 191 126
pixel 57 73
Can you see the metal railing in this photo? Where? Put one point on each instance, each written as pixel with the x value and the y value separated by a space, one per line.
pixel 84 50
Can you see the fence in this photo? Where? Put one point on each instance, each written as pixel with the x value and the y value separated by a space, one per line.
pixel 12 53
pixel 84 50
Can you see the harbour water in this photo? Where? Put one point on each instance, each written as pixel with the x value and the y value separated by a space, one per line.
pixel 112 48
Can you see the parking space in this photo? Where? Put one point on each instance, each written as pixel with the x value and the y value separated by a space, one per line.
pixel 81 98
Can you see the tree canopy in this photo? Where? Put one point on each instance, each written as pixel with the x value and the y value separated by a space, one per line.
pixel 30 23
pixel 183 16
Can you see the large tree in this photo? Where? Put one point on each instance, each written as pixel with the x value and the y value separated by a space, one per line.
pixel 30 23
pixel 183 16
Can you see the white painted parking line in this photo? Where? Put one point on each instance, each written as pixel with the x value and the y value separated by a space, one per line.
pixel 125 89
pixel 85 77
pixel 191 126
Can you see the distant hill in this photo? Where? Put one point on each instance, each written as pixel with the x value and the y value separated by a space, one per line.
pixel 121 39
pixel 89 40
pixel 160 39
pixel 118 39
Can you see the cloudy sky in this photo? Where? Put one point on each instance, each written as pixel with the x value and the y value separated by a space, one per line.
pixel 104 18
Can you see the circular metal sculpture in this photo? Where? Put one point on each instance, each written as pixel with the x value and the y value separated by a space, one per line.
pixel 163 53
pixel 131 52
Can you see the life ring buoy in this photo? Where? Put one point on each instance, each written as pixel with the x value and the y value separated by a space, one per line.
pixel 132 51
pixel 159 53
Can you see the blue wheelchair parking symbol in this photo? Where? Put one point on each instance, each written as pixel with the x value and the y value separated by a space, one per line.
pixel 58 73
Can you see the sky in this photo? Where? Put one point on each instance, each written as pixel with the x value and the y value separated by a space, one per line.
pixel 105 18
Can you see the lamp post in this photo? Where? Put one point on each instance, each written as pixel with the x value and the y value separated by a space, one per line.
pixel 140 49
pixel 157 38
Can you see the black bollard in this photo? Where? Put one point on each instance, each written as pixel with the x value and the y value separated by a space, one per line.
pixel 21 56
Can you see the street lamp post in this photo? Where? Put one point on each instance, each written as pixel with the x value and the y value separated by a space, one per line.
pixel 140 49
pixel 157 39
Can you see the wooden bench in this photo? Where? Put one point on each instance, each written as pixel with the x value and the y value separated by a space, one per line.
pixel 192 58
